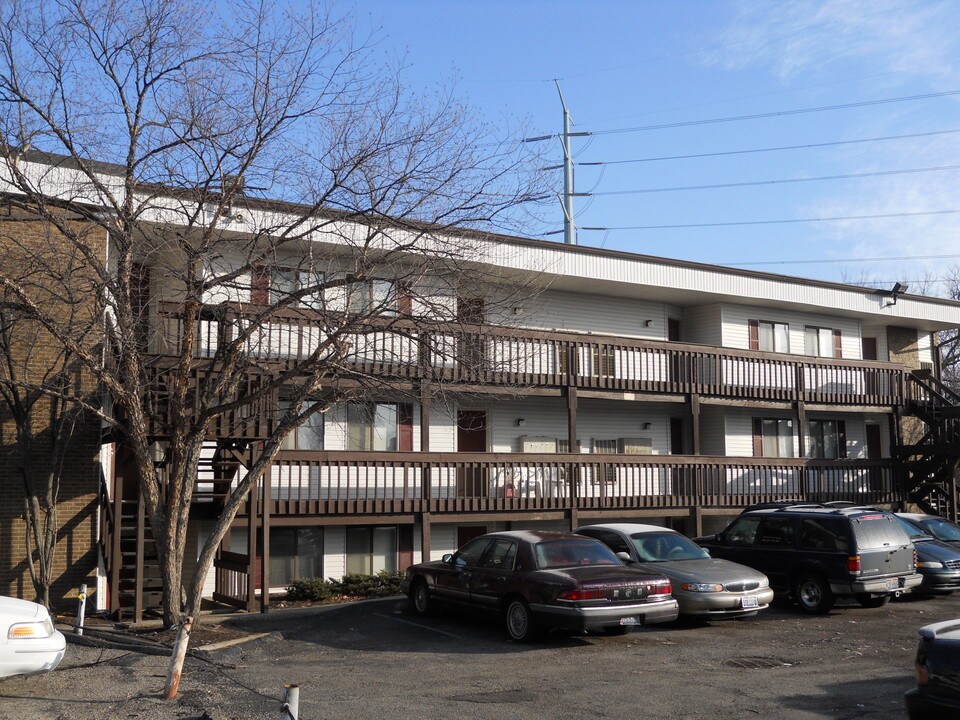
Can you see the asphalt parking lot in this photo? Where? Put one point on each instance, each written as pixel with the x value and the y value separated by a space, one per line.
pixel 377 660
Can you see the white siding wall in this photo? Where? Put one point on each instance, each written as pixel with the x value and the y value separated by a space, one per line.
pixel 443 539
pixel 596 419
pixel 736 333
pixel 600 314
pixel 880 333
pixel 924 347
pixel 702 324
pixel 712 432
pixel 334 552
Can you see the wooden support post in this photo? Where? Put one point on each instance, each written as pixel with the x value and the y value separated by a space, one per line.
pixel 425 417
pixel 265 553
pixel 696 521
pixel 425 537
pixel 252 548
pixel 572 419
pixel 802 428
pixel 695 421
pixel 574 518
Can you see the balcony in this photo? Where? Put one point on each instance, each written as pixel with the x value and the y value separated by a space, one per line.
pixel 530 358
pixel 350 483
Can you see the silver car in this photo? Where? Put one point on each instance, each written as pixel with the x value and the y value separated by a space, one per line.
pixel 703 586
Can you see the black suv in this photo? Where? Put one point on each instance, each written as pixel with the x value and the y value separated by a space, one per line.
pixel 818 553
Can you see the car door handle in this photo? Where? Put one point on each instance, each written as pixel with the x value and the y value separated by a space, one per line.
pixel 501 578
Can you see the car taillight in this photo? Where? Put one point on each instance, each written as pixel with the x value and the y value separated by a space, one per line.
pixel 581 594
pixel 661 589
pixel 853 563
pixel 923 674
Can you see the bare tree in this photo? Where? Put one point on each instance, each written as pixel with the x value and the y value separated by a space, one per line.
pixel 272 183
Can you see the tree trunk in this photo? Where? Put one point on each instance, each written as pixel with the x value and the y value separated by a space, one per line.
pixel 175 668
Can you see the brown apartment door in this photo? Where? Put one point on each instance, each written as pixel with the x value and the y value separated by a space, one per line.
pixel 869 348
pixel 471 438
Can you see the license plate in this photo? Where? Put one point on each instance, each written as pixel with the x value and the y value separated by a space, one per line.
pixel 892 584
pixel 749 602
pixel 629 621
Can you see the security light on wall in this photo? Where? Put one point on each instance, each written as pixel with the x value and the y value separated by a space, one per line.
pixel 647 323
pixel 647 425
pixel 899 288
pixel 521 422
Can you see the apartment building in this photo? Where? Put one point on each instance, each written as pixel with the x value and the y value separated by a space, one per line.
pixel 546 386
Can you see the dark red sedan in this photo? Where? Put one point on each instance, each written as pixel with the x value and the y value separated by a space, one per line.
pixel 539 580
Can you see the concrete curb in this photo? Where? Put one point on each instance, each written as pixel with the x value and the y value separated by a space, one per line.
pixel 294 613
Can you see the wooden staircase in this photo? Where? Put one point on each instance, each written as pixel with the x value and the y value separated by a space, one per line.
pixel 932 461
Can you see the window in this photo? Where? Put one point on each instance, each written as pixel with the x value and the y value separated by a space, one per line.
pixel 822 342
pixel 295 553
pixel 772 438
pixel 371 549
pixel 273 284
pixel 742 531
pixel 372 296
pixel 308 436
pixel 501 556
pixel 769 336
pixel 777 532
pixel 469 554
pixel 827 535
pixel 380 426
pixel 828 439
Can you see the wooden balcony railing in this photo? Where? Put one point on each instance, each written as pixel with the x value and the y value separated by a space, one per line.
pixel 520 357
pixel 338 483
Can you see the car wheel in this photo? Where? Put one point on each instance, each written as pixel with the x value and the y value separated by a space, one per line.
pixel 420 595
pixel 519 621
pixel 813 594
pixel 872 601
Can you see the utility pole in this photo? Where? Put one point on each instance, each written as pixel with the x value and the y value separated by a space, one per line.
pixel 569 229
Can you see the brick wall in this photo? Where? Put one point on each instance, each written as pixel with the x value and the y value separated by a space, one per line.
pixel 38 254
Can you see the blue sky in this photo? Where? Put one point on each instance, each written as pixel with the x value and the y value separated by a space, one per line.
pixel 624 65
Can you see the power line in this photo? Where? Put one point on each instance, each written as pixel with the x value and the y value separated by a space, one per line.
pixel 753 183
pixel 770 149
pixel 778 113
pixel 776 222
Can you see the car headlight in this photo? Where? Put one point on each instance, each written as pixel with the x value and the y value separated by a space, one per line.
pixel 765 582
pixel 30 630
pixel 932 564
pixel 701 587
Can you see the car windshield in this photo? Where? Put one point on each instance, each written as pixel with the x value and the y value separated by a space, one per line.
pixel 659 547
pixel 914 532
pixel 570 552
pixel 941 529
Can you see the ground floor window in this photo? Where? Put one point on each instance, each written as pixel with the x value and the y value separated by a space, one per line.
pixel 828 439
pixel 371 549
pixel 772 438
pixel 295 552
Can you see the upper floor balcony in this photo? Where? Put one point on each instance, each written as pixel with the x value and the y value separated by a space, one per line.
pixel 493 355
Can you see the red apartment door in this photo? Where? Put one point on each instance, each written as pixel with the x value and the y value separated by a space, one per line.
pixel 471 438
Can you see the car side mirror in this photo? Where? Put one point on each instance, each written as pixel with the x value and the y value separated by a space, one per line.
pixel 624 556
pixel 447 558
pixel 706 553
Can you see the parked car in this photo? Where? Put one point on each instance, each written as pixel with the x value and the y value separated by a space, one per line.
pixel 937 695
pixel 703 586
pixel 542 580
pixel 29 643
pixel 941 528
pixel 938 562
pixel 819 553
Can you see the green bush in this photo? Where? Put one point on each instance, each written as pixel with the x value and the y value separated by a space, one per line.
pixel 382 584
pixel 361 586
pixel 312 589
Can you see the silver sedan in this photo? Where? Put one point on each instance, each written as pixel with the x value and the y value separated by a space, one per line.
pixel 703 586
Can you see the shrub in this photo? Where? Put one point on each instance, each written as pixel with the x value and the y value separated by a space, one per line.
pixel 312 589
pixel 382 584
